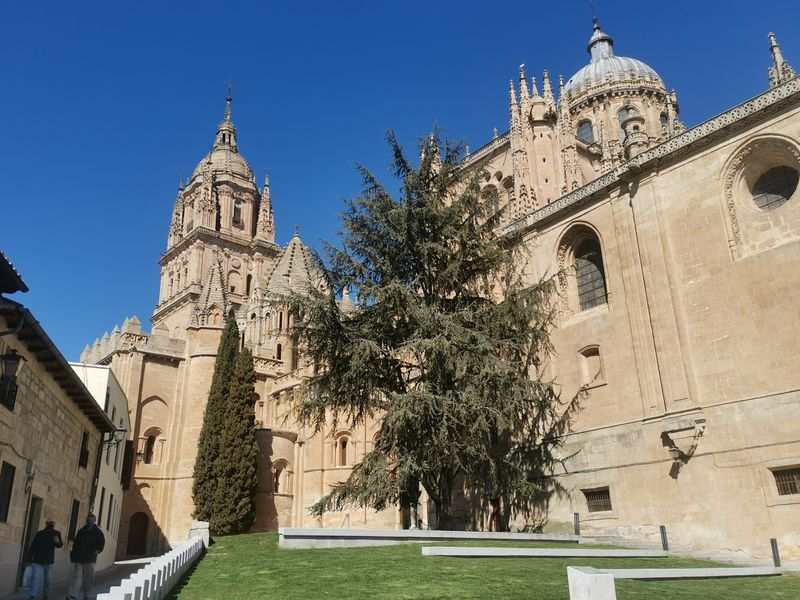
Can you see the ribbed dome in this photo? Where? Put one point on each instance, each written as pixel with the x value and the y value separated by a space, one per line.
pixel 606 71
pixel 224 160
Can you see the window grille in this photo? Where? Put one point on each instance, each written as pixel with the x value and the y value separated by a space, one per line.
pixel 598 500
pixel 775 187
pixel 590 276
pixel 788 481
pixel 6 487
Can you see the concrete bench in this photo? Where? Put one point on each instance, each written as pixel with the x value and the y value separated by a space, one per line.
pixel 539 552
pixel 295 537
pixel 587 583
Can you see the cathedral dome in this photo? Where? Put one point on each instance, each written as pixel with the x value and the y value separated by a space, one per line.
pixel 607 73
pixel 225 160
pixel 224 157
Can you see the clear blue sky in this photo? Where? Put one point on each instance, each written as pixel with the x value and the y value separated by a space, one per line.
pixel 107 104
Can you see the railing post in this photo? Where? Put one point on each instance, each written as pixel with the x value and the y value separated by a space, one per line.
pixel 776 556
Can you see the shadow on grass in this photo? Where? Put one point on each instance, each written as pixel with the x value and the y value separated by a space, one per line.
pixel 187 576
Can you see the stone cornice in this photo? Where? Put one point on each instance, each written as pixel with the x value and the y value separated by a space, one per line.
pixel 693 140
pixel 223 240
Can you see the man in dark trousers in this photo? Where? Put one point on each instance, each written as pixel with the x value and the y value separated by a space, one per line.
pixel 89 542
pixel 41 556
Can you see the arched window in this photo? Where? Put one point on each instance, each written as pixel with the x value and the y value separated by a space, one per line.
pixel 276 480
pixel 622 116
pixel 586 132
pixel 149 449
pixel 237 212
pixel 248 283
pixel 342 451
pixel 590 275
pixel 280 321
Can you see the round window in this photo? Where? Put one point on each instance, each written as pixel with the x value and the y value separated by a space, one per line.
pixel 774 187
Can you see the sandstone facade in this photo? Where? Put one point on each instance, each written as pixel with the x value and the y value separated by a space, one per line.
pixel 676 321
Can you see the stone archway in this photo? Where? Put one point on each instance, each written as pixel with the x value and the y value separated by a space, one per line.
pixel 137 534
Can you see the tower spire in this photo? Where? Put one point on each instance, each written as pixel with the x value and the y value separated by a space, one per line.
pixel 265 226
pixel 523 85
pixel 547 92
pixel 780 71
pixel 226 130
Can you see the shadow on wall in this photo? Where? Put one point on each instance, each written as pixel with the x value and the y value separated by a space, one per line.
pixel 266 510
pixel 541 457
pixel 139 533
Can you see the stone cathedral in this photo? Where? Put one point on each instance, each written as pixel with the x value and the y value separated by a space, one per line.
pixel 678 319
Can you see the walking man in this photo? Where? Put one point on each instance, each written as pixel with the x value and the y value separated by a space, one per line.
pixel 41 556
pixel 89 542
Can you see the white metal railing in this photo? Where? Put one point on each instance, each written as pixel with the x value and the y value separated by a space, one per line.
pixel 159 577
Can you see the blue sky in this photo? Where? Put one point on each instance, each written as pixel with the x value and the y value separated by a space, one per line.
pixel 106 105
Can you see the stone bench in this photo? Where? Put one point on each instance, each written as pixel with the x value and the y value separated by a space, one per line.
pixel 295 537
pixel 587 583
pixel 473 552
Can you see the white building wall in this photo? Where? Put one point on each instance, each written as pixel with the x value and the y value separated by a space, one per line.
pixel 107 501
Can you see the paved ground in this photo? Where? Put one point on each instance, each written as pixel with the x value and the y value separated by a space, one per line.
pixel 102 581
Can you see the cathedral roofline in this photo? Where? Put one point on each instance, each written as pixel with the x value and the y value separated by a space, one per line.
pixel 705 134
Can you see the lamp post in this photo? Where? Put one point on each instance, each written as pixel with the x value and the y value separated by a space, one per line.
pixel 9 364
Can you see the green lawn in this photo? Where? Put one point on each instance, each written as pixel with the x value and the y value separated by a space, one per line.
pixel 253 566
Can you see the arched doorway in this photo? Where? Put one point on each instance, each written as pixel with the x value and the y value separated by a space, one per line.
pixel 137 534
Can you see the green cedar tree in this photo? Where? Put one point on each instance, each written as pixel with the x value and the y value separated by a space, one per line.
pixel 446 343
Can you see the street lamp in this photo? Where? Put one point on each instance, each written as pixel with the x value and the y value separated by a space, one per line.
pixel 115 438
pixel 9 364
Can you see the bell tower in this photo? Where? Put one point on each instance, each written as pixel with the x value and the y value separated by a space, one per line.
pixel 221 234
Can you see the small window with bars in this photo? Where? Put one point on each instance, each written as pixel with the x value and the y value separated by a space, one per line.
pixel 83 456
pixel 788 481
pixel 598 500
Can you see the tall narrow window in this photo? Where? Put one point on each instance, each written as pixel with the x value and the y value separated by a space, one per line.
pixel 102 502
pixel 590 274
pixel 149 449
pixel 110 512
pixel 278 351
pixel 73 519
pixel 237 212
pixel 6 487
pixel 276 482
pixel 343 451
pixel 83 457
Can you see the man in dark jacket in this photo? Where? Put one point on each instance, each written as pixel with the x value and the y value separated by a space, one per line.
pixel 41 556
pixel 89 542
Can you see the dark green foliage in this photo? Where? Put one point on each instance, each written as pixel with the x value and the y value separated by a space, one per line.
pixel 206 469
pixel 445 343
pixel 238 454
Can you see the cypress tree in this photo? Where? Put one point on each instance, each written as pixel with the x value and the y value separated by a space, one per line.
pixel 235 502
pixel 446 344
pixel 206 468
